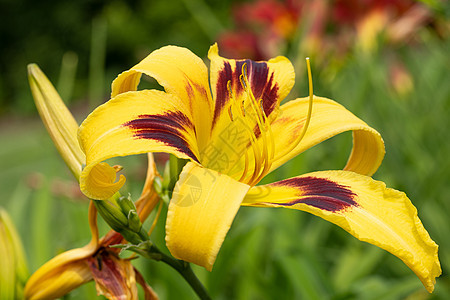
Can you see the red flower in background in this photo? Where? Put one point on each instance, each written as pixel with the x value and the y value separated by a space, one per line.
pixel 351 11
pixel 266 27
pixel 262 28
pixel 327 30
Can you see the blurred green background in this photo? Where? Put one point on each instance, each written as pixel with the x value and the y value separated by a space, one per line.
pixel 387 61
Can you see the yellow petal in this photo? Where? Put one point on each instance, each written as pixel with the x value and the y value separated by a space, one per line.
pixel 132 123
pixel 203 206
pixel 181 73
pixel 59 276
pixel 328 119
pixel 58 120
pixel 270 81
pixel 246 95
pixel 362 206
pixel 65 271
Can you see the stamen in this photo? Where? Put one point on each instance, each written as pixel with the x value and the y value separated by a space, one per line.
pixel 255 148
pixel 249 126
pixel 259 168
pixel 240 110
pixel 230 113
pixel 269 128
pixel 271 151
pixel 243 77
pixel 244 173
pixel 297 141
pixel 230 92
pixel 262 110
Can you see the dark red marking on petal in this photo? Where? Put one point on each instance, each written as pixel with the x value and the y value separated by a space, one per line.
pixel 262 85
pixel 270 96
pixel 261 82
pixel 105 271
pixel 222 96
pixel 200 89
pixel 321 193
pixel 166 128
pixel 189 90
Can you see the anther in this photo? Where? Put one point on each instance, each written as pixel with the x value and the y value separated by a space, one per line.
pixel 230 93
pixel 243 77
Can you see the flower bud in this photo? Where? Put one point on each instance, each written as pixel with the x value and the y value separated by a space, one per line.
pixel 122 217
pixel 126 204
pixel 134 223
pixel 13 271
pixel 58 120
pixel 112 214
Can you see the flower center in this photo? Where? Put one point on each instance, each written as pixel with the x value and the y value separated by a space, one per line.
pixel 257 162
pixel 257 128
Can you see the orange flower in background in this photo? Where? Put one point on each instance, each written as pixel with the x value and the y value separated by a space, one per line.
pixel 277 17
pixel 262 28
pixel 369 18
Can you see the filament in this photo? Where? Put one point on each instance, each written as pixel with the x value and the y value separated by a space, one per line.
pixel 248 129
pixel 258 162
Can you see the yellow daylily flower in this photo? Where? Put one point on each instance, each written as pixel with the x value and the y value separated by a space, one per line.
pixel 115 277
pixel 234 134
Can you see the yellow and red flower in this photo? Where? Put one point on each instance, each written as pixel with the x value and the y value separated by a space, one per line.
pixel 233 131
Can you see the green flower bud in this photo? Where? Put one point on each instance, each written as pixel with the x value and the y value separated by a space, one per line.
pixel 126 204
pixel 112 214
pixel 134 223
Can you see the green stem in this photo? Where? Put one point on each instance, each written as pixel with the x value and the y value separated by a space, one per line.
pixel 185 270
pixel 182 267
pixel 120 218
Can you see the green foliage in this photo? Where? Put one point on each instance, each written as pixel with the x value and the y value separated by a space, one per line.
pixel 112 34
